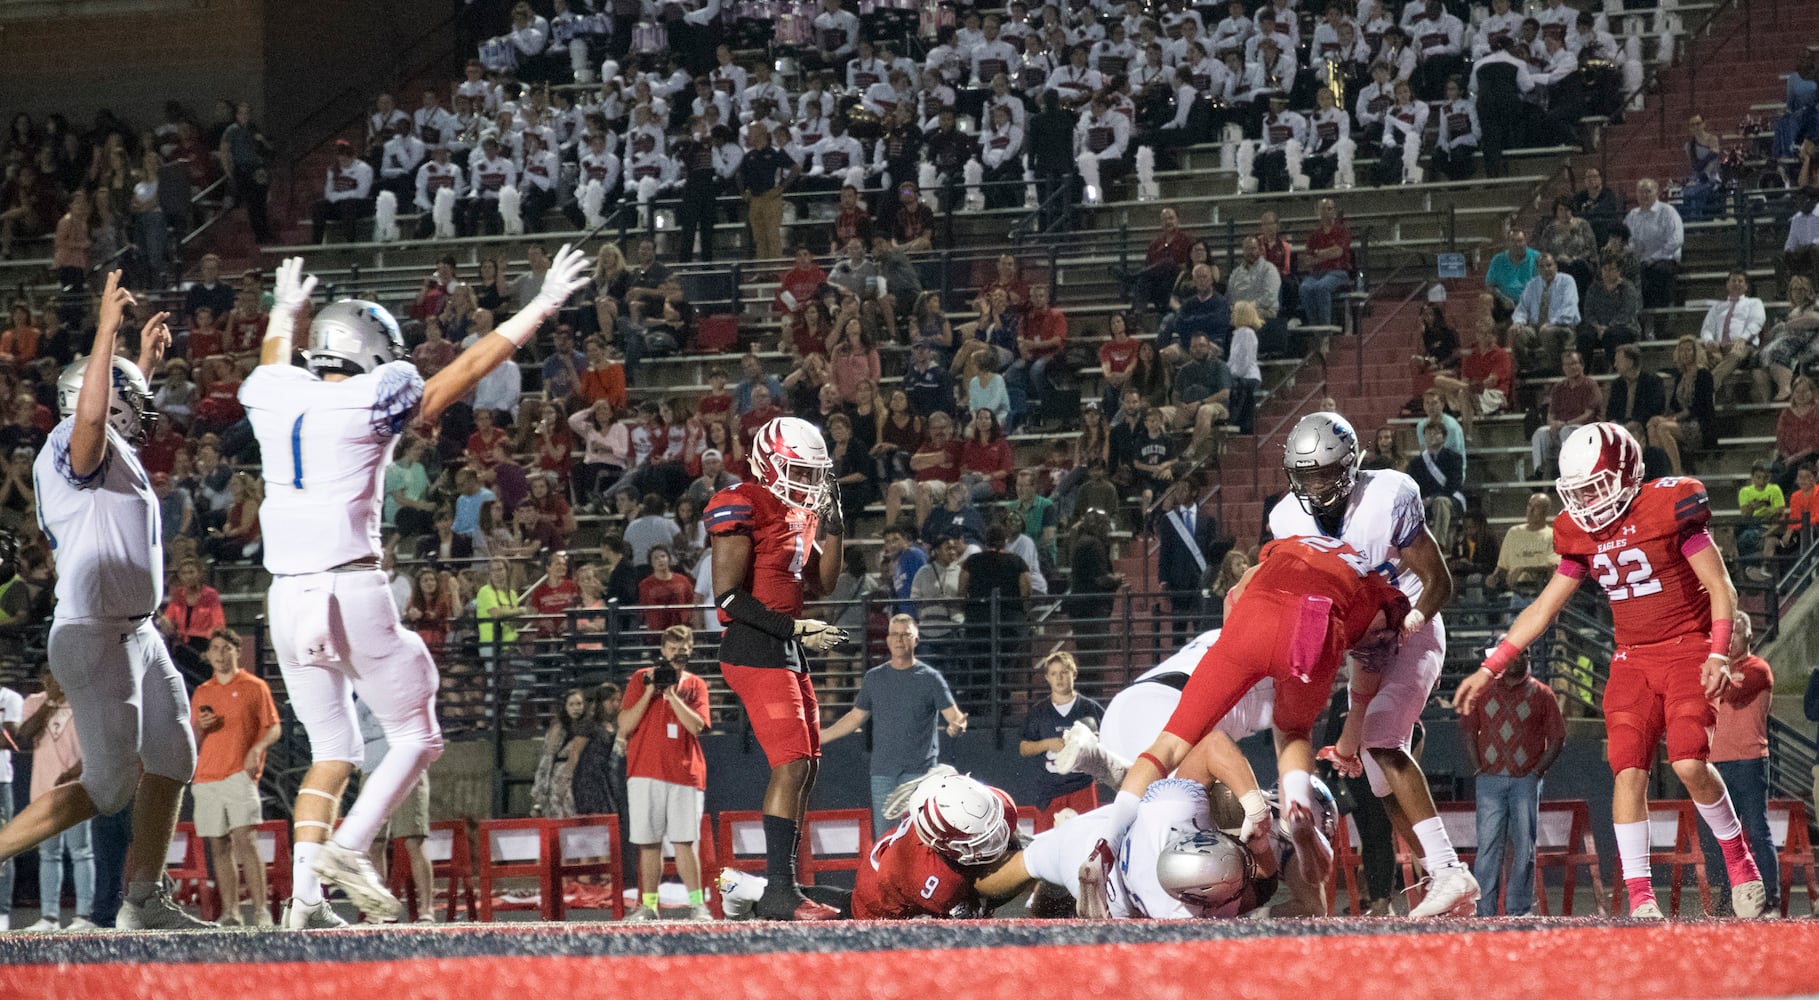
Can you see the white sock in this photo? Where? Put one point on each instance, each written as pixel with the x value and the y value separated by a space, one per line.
pixel 305 888
pixel 380 794
pixel 1632 848
pixel 1721 816
pixel 1436 847
pixel 1297 789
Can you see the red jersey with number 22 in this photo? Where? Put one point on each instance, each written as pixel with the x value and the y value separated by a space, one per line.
pixel 905 878
pixel 1640 561
pixel 782 537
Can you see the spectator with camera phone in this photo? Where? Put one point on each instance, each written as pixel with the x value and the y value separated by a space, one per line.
pixel 666 774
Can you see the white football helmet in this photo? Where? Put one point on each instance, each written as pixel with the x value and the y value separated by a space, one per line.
pixel 352 337
pixel 1206 869
pixel 1600 474
pixel 1320 456
pixel 961 818
pixel 129 405
pixel 789 458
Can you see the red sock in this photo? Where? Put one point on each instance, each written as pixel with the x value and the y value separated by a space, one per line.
pixel 1641 891
pixel 1739 862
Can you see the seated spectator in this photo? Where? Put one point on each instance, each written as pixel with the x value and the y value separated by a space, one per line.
pixel 563 366
pixel 1404 129
pixel 1598 205
pixel 486 437
pixel 606 449
pixel 1510 272
pixel 1760 504
pixel 194 610
pixel 652 527
pixel 956 517
pixel 1799 257
pixel 1610 314
pixel 176 398
pixel 1473 557
pixel 219 408
pixel 1527 558
pixel 803 389
pixel 934 466
pixel 986 389
pixel 994 332
pixel 204 339
pixel 1456 150
pixel 1384 451
pixel 1256 281
pixel 238 540
pixel 668 596
pixel 714 478
pixel 552 520
pixel 1439 342
pixel 1546 317
pixel 853 466
pixel 1573 402
pixel 1636 396
pixel 1796 432
pixel 431 610
pixel 1793 343
pixel 1440 473
pixel 752 376
pixel 985 458
pixel 346 193
pixel 1487 376
pixel 1152 463
pixel 1205 313
pixel 1329 254
pixel 1793 528
pixel 1731 333
pixel 1117 357
pixel 899 435
pixel 604 378
pixel 1572 242
pixel 1656 237
pixel 1163 259
pixel 1201 399
pixel 1689 415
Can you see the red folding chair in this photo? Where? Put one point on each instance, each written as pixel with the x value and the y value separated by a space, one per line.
pixel 583 845
pixel 1673 840
pixel 1563 840
pixel 705 853
pixel 186 862
pixel 741 841
pixel 1787 824
pixel 835 840
pixel 518 848
pixel 448 849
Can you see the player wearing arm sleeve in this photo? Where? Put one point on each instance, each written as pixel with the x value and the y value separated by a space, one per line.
pixel 1672 606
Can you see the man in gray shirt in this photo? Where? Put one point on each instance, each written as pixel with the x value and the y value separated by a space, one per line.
pixel 1256 280
pixel 907 695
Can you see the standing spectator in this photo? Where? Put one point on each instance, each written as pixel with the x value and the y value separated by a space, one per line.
pixel 1573 402
pixel 1093 583
pixel 764 174
pixel 12 713
pixel 1740 753
pixel 235 722
pixel 243 152
pixel 1043 732
pixel 1690 414
pixel 1510 272
pixel 598 782
pixel 1546 317
pixel 1041 337
pixel 1187 537
pixel 666 773
pixel 996 585
pixel 910 698
pixel 1610 314
pixel 1512 739
pixel 1329 252
pixel 552 791
pixel 1247 374
pixel 1656 238
pixel 1439 472
pixel 50 730
pixel 1731 333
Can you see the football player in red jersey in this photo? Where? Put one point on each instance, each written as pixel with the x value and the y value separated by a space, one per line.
pixel 1292 617
pixel 763 534
pixel 944 860
pixel 1671 605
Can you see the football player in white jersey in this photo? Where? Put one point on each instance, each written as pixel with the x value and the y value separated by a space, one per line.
pixel 97 509
pixel 1379 514
pixel 327 432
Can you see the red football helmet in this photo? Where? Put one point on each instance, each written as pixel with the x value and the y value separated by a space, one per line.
pixel 1600 474
pixel 789 458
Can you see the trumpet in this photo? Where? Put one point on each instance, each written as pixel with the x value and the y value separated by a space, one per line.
pixel 1335 81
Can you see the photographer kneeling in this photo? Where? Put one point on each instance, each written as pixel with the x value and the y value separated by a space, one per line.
pixel 666 775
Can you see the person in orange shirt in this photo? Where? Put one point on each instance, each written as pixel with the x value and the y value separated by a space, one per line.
pixel 235 722
pixel 1798 520
pixel 604 378
pixel 1740 753
pixel 19 342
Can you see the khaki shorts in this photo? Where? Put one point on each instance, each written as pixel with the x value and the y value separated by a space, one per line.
pixel 226 805
pixel 660 811
pixel 411 818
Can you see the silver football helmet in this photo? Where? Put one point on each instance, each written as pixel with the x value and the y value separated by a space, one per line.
pixel 1321 459
pixel 129 405
pixel 352 337
pixel 1206 869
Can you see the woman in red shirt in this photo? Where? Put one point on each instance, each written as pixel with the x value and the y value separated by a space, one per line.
pixel 1487 377
pixel 194 611
pixel 238 540
pixel 985 459
pixel 484 439
pixel 668 596
pixel 1796 433
pixel 430 610
pixel 1117 357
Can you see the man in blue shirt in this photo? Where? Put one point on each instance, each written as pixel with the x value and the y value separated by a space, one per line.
pixel 562 369
pixel 900 561
pixel 468 503
pixel 1204 312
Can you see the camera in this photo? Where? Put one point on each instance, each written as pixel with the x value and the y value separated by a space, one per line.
pixel 664 675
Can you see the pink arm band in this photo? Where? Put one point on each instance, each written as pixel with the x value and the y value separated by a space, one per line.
pixel 1501 657
pixel 1694 544
pixel 1721 638
pixel 1571 568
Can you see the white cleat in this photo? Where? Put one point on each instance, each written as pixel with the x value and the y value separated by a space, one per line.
pixel 700 912
pixel 1650 910
pixel 740 892
pixel 1749 900
pixel 354 873
pixel 311 917
pixel 1452 891
pixel 1082 753
pixel 82 924
pixel 642 915
pixel 1095 900
pixel 45 925
pixel 158 913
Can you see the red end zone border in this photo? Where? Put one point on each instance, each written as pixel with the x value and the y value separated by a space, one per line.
pixel 1704 959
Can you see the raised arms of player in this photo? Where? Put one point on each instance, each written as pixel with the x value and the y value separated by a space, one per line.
pixel 567 273
pixel 88 436
pixel 1527 627
pixel 290 293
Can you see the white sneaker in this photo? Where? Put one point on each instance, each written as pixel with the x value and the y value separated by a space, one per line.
pixel 1082 753
pixel 158 913
pixel 700 912
pixel 1451 891
pixel 1650 910
pixel 43 926
pixel 82 924
pixel 1749 900
pixel 354 873
pixel 1094 901
pixel 311 917
pixel 740 892
pixel 642 915
pixel 262 917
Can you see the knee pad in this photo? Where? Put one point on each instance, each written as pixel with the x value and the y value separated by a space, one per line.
pixel 167 754
pixel 1630 742
pixel 340 744
pixel 1689 734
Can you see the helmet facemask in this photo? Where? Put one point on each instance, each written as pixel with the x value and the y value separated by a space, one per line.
pixel 800 483
pixel 1596 501
pixel 1323 490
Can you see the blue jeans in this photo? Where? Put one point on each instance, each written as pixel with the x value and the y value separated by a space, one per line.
pixel 1507 807
pixel 6 867
pixel 50 871
pixel 1317 295
pixel 1747 781
pixel 882 787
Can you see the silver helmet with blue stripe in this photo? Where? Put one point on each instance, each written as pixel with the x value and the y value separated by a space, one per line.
pixel 352 337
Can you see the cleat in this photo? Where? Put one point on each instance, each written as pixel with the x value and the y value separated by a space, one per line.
pixel 1095 902
pixel 1081 753
pixel 311 917
pixel 791 905
pixel 1312 852
pixel 1648 910
pixel 642 915
pixel 1451 891
pixel 739 893
pixel 353 872
pixel 43 926
pixel 82 924
pixel 1749 900
pixel 700 912
pixel 263 919
pixel 158 913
